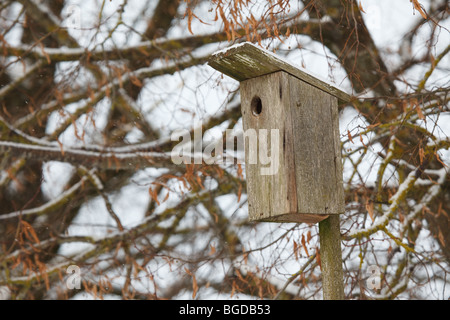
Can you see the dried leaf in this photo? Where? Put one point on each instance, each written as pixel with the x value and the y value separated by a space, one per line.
pixel 441 237
pixel 239 171
pixel 239 193
pixel 390 105
pixel 369 208
pixel 49 61
pixel 233 289
pixel 438 158
pixel 194 282
pixel 362 141
pixel 349 135
pixel 239 275
pixel 295 250
pixel 421 155
pixel 135 80
pixel 16 263
pixel 233 32
pixel 212 250
pixel 245 255
pixel 419 112
pixel 373 125
pixel 29 231
pixel 308 237
pixel 153 194
pixel 166 197
pixel 199 181
pixel 401 217
pixel 226 24
pixel 361 8
pixel 194 287
pixel 319 262
pixel 190 16
pixel 419 8
pixel 304 244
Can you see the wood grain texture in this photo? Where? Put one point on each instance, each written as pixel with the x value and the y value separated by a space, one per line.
pixel 307 186
pixel 267 194
pixel 318 165
pixel 331 259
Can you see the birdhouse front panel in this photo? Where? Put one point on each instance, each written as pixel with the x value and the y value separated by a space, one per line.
pixel 270 184
pixel 294 169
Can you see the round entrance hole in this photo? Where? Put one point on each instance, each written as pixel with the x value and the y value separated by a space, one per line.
pixel 256 106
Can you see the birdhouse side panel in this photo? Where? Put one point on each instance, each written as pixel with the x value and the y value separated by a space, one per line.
pixel 318 165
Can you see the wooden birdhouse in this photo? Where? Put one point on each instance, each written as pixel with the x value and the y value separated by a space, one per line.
pixel 298 114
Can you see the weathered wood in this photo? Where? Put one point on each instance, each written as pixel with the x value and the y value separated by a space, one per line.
pixel 317 153
pixel 269 196
pixel 308 184
pixel 247 61
pixel 331 259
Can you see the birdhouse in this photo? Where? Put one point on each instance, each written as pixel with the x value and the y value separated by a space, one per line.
pixel 294 117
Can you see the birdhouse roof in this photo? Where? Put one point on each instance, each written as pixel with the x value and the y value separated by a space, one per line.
pixel 246 61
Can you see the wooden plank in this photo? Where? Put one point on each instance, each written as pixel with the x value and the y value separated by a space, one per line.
pixel 318 166
pixel 245 61
pixel 268 195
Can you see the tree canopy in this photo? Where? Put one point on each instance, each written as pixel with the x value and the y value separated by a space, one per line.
pixel 93 206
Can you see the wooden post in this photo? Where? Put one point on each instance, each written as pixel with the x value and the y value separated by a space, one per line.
pixel 331 258
pixel 307 183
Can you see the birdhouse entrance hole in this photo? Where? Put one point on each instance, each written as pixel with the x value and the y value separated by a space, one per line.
pixel 256 106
